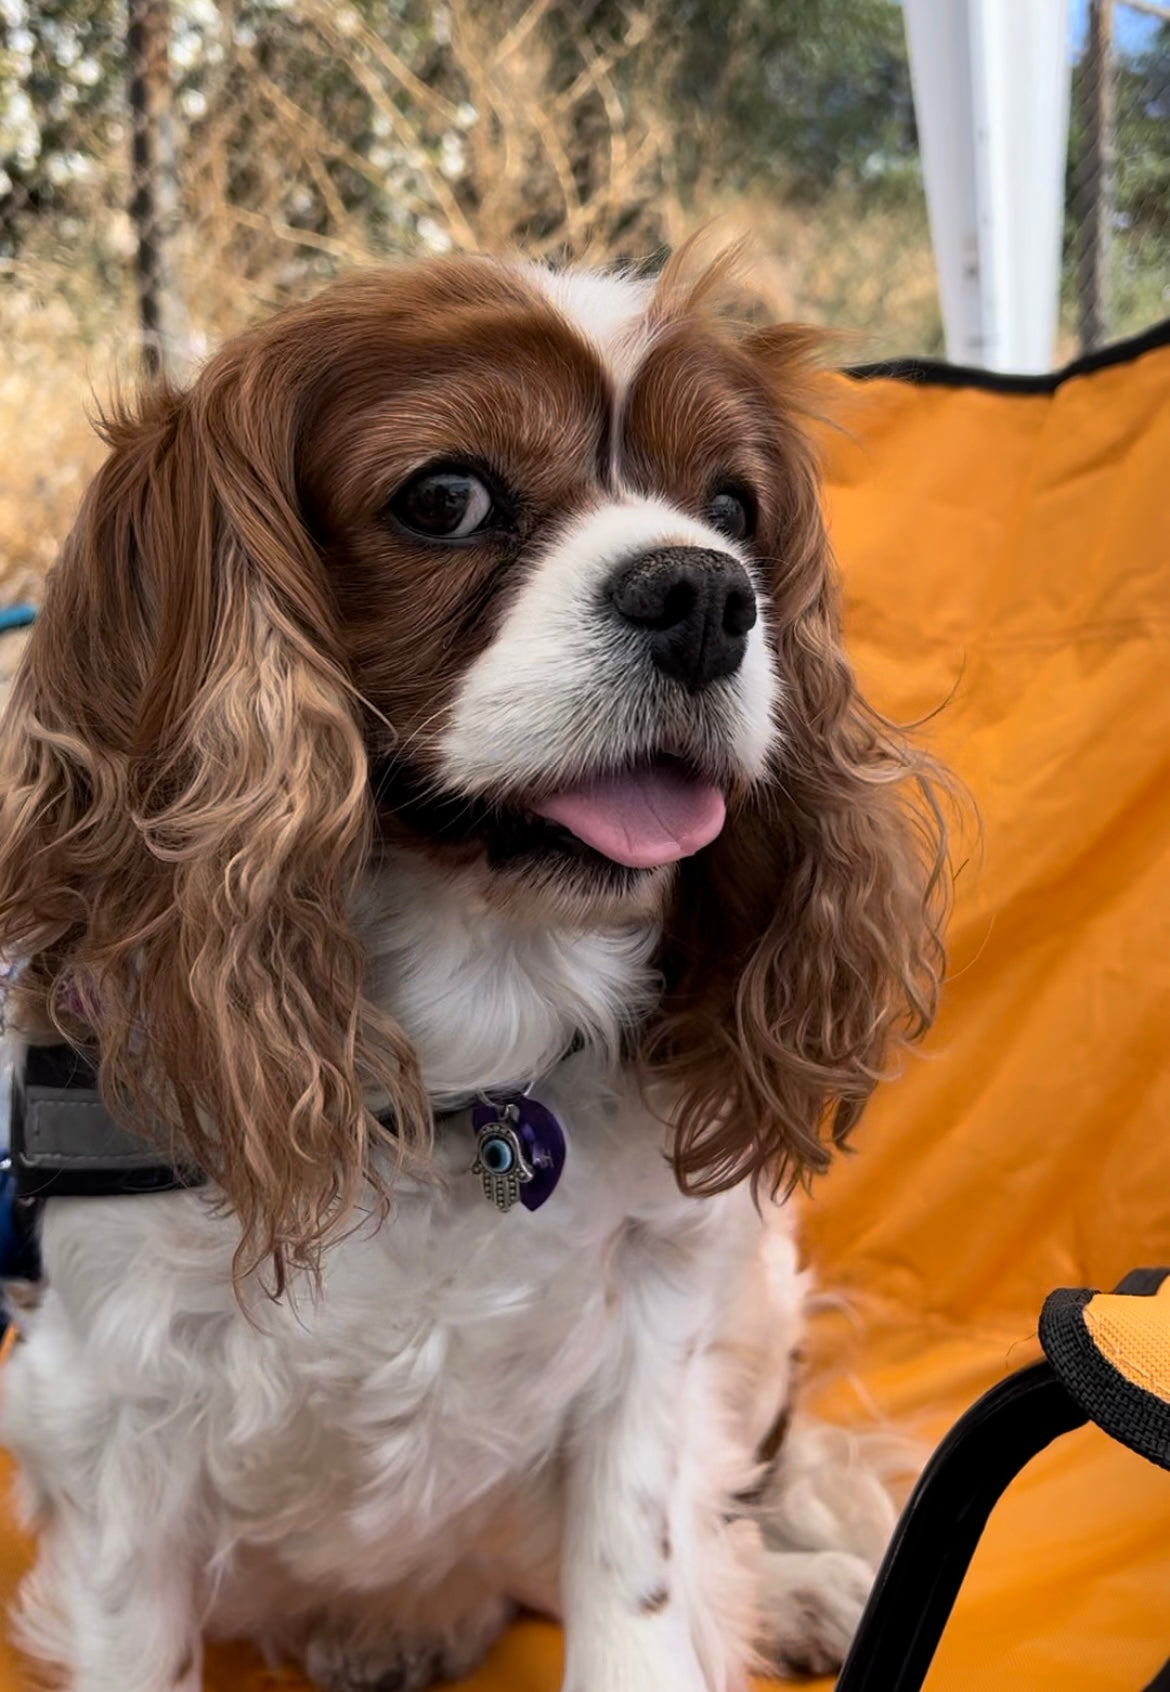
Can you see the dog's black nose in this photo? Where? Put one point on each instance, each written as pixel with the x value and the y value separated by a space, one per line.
pixel 693 606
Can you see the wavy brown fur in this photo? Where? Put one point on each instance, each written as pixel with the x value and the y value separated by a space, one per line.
pixel 184 812
pixel 805 946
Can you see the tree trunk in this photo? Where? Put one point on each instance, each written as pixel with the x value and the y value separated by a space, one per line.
pixel 1096 187
pixel 153 193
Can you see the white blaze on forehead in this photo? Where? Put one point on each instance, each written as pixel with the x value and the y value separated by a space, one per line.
pixel 564 684
pixel 606 307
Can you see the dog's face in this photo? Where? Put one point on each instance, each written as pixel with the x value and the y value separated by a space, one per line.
pixel 555 522
pixel 523 572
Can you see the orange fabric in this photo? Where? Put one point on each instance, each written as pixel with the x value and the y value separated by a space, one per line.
pixel 1007 559
pixel 1134 1335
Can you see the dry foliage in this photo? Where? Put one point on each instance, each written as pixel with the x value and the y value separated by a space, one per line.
pixel 47 449
pixel 529 126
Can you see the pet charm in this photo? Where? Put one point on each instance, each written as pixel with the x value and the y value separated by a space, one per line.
pixel 500 1159
pixel 519 1151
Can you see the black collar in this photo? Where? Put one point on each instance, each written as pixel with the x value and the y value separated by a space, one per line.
pixel 63 1142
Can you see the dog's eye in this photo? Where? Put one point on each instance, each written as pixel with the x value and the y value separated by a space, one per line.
pixel 730 511
pixel 443 504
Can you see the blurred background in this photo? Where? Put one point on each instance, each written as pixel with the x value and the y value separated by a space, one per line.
pixel 169 172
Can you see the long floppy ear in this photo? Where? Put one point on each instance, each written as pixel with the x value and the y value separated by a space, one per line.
pixel 184 812
pixel 804 946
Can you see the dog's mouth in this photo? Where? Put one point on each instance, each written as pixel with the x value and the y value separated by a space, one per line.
pixel 640 818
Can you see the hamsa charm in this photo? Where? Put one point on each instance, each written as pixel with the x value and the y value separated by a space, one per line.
pixel 519 1151
pixel 500 1159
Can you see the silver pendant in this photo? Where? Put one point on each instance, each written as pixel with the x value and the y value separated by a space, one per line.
pixel 500 1159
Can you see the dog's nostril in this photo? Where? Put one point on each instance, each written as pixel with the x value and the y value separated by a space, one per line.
pixel 694 608
pixel 677 606
pixel 739 612
pixel 653 599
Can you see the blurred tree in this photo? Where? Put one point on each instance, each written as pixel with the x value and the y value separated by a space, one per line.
pixel 63 79
pixel 1143 136
pixel 61 99
pixel 313 133
pixel 806 93
pixel 1138 286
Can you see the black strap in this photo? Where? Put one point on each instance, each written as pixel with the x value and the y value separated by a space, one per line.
pixel 64 1143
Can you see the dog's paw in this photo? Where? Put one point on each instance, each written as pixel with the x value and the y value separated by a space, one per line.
pixel 830 1491
pixel 812 1603
pixel 408 1659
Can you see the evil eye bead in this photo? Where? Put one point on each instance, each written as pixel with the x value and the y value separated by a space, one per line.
pixel 501 1157
pixel 497 1155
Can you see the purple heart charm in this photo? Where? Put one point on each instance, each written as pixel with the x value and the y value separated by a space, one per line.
pixel 519 1151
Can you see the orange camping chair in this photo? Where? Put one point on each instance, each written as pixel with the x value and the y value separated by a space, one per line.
pixel 1005 547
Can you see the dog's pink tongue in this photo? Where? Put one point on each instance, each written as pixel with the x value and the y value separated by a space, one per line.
pixel 645 818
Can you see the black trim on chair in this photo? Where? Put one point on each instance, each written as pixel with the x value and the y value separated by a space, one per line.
pixel 940 1527
pixel 936 373
pixel 1142 1283
pixel 1129 1414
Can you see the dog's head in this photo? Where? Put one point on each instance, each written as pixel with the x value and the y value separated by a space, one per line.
pixel 526 573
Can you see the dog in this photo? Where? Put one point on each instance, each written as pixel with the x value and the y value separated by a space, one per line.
pixel 437 795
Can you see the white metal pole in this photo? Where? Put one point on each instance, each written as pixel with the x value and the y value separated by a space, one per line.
pixel 991 91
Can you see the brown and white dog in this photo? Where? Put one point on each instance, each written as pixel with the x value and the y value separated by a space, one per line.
pixel 443 701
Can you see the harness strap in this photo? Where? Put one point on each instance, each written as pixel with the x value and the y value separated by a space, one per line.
pixel 64 1143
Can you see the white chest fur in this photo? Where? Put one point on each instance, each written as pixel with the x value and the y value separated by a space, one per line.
pixel 414 1411
pixel 415 1408
pixel 555 1406
pixel 489 1001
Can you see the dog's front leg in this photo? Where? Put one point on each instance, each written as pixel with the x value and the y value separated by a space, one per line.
pixel 649 1566
pixel 110 1605
pixel 112 1602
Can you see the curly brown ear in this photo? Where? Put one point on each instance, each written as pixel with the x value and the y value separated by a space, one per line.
pixel 805 945
pixel 184 811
